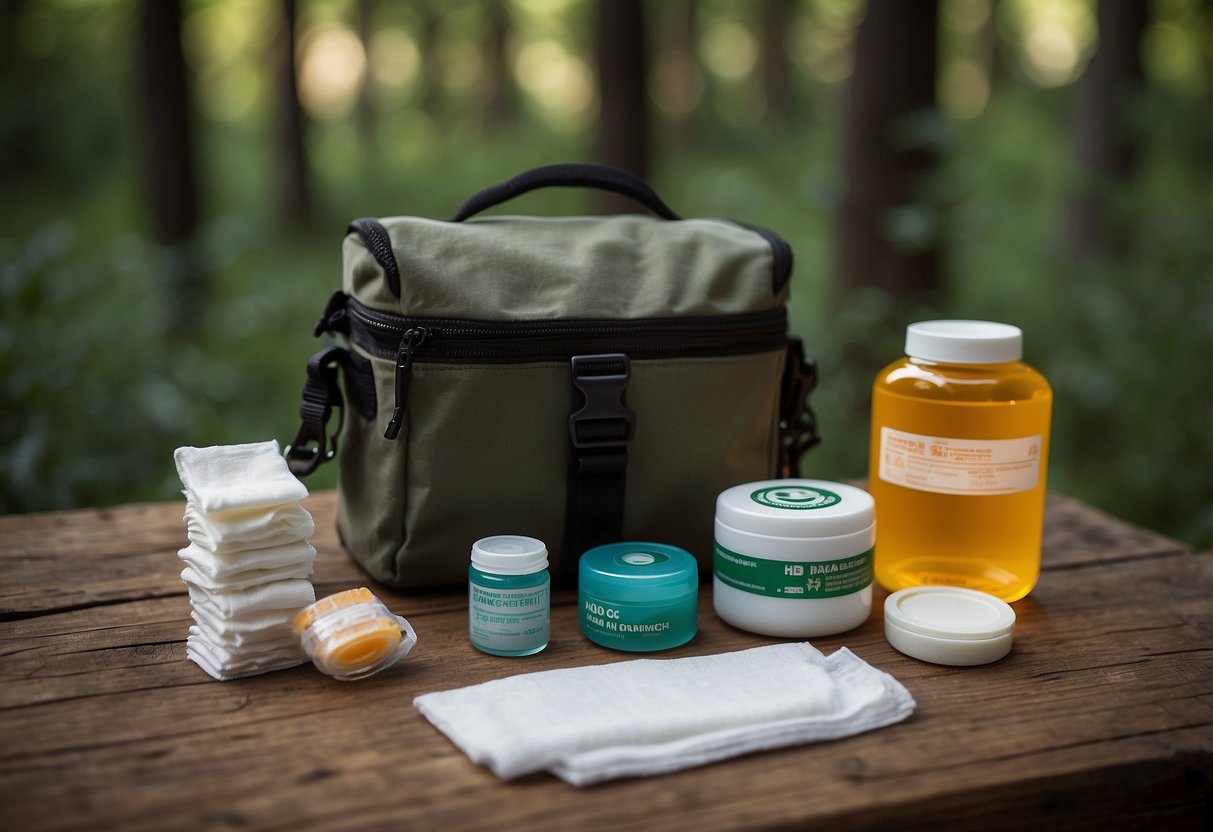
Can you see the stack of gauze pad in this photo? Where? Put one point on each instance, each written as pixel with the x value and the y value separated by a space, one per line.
pixel 248 560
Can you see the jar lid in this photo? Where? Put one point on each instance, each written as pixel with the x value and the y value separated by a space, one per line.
pixel 509 554
pixel 949 625
pixel 964 342
pixel 637 571
pixel 796 508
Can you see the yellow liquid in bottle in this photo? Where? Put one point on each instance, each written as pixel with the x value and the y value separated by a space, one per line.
pixel 979 537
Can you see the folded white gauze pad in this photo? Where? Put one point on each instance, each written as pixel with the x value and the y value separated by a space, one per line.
pixel 248 560
pixel 223 665
pixel 252 566
pixel 221 634
pixel 236 477
pixel 227 532
pixel 651 716
pixel 291 595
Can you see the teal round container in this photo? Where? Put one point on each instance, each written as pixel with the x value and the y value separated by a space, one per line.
pixel 638 597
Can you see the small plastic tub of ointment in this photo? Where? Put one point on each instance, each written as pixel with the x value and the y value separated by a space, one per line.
pixel 793 558
pixel 352 634
pixel 638 597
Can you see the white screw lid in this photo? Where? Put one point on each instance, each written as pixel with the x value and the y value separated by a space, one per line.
pixel 949 625
pixel 509 554
pixel 964 342
pixel 796 508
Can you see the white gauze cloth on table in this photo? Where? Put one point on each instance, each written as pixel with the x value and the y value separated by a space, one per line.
pixel 226 532
pixel 251 567
pixel 237 477
pixel 651 716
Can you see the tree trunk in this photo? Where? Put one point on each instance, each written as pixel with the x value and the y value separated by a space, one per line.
pixel 168 156
pixel 366 114
pixel 776 65
pixel 675 36
pixel 1104 145
pixel 168 138
pixel 993 50
pixel 295 205
pixel 894 77
pixel 500 101
pixel 623 99
pixel 429 96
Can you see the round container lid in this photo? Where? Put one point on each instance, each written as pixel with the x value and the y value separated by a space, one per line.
pixel 637 571
pixel 796 508
pixel 509 554
pixel 964 342
pixel 949 625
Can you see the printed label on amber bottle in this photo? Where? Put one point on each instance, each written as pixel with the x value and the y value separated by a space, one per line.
pixel 959 466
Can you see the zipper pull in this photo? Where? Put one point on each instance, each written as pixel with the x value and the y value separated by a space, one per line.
pixel 413 339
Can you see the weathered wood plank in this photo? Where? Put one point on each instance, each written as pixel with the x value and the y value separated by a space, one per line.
pixel 1102 716
pixel 1076 534
pixel 1091 693
pixel 352 773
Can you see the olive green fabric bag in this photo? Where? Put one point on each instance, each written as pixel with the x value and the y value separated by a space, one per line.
pixel 581 380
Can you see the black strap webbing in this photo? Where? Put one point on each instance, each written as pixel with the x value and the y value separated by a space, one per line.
pixel 797 422
pixel 599 433
pixel 313 444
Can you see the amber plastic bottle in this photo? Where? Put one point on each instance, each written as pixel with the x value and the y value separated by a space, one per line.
pixel 959 451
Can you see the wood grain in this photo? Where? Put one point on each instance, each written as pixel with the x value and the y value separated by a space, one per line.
pixel 1102 716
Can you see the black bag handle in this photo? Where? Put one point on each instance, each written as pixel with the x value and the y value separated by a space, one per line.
pixel 569 175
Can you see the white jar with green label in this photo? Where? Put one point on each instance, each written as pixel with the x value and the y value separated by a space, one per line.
pixel 793 558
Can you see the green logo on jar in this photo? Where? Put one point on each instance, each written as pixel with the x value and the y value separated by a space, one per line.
pixel 795 497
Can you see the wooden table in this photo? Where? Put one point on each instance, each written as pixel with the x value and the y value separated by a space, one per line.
pixel 1102 716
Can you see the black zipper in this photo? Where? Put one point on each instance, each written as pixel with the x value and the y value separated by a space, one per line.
pixel 455 341
pixel 463 341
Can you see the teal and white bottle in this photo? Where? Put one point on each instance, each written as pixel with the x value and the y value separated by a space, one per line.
pixel 509 596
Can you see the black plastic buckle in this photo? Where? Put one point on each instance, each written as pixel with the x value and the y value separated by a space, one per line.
pixel 321 394
pixel 797 422
pixel 604 421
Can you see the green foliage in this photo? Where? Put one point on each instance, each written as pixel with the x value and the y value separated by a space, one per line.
pixel 103 375
pixel 103 383
pixel 1123 338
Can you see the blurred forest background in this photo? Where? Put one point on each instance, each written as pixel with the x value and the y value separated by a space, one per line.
pixel 177 177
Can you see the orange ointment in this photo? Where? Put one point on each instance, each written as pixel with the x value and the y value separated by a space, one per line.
pixel 352 634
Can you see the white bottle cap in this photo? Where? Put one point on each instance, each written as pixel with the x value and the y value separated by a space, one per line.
pixel 949 625
pixel 509 554
pixel 964 342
